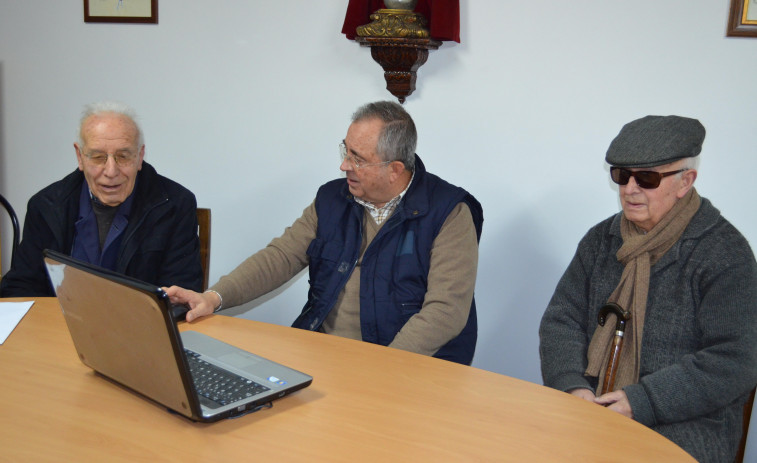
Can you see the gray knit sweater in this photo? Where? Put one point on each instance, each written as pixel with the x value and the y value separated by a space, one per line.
pixel 699 347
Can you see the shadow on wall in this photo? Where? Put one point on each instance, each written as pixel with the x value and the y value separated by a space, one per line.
pixel 3 173
pixel 515 283
pixel 5 225
pixel 281 311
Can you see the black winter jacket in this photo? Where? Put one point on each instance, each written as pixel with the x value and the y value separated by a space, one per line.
pixel 160 244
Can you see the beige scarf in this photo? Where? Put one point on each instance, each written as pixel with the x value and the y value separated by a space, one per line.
pixel 639 252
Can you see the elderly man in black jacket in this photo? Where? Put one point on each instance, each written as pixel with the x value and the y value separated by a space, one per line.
pixel 115 211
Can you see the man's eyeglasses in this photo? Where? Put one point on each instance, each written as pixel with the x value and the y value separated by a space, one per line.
pixel 355 163
pixel 647 179
pixel 100 159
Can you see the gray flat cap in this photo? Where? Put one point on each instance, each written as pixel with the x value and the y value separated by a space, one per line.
pixel 656 140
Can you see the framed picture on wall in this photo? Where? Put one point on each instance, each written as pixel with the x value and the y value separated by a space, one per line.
pixel 121 11
pixel 742 21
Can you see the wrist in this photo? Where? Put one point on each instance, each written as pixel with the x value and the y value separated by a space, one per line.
pixel 216 305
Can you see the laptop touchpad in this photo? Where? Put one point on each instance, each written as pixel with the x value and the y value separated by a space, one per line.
pixel 239 360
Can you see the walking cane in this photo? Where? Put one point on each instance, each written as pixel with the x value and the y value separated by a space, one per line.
pixel 622 317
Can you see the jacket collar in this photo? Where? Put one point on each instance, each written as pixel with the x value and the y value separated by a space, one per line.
pixel 415 202
pixel 146 187
pixel 63 198
pixel 706 217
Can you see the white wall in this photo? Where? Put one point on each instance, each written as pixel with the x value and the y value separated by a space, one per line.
pixel 244 103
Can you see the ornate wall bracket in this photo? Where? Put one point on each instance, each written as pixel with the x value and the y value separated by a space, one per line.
pixel 400 43
pixel 395 23
pixel 400 58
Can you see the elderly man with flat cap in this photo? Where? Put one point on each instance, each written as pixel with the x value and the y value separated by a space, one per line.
pixel 686 282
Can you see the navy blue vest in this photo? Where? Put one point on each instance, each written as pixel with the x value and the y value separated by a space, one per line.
pixel 395 266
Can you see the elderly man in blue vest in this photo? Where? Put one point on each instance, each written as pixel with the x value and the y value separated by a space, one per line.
pixel 392 250
pixel 686 281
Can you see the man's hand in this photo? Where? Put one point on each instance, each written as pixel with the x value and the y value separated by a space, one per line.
pixel 200 304
pixel 616 401
pixel 585 394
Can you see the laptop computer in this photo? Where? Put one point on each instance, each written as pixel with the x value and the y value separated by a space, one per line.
pixel 125 330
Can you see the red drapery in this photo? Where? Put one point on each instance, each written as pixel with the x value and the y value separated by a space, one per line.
pixel 443 17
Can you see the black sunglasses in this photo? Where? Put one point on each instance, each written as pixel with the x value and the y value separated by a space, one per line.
pixel 647 179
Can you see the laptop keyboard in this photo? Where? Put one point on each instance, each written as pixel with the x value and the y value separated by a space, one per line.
pixel 218 385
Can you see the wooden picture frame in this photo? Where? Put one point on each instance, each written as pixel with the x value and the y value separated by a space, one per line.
pixel 742 20
pixel 121 11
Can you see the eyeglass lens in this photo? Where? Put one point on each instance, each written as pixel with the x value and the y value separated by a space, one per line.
pixel 358 164
pixel 122 159
pixel 345 156
pixel 647 179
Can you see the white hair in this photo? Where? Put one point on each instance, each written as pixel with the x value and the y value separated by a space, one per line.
pixel 112 107
pixel 691 163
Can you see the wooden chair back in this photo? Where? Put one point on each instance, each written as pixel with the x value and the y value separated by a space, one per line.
pixel 203 231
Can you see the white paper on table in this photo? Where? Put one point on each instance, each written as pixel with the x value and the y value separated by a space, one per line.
pixel 10 314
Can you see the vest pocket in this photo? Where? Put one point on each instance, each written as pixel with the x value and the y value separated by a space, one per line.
pixel 408 309
pixel 325 262
pixel 407 244
pixel 324 250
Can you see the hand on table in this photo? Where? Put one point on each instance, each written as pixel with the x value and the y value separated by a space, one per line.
pixel 616 401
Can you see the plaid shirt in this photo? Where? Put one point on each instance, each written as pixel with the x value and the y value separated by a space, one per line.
pixel 383 213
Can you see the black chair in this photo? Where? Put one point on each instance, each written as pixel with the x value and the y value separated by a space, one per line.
pixel 14 223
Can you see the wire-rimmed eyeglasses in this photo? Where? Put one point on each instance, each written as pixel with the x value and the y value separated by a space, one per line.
pixel 355 163
pixel 122 159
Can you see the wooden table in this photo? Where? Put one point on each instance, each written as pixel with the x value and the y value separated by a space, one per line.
pixel 366 403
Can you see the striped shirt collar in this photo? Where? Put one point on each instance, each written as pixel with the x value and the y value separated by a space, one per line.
pixel 382 213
